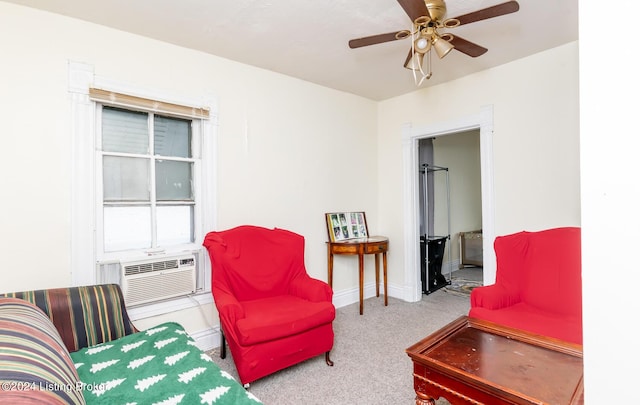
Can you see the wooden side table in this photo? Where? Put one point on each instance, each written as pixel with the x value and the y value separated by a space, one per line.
pixel 372 245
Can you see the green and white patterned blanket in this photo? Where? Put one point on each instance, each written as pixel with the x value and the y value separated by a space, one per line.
pixel 161 365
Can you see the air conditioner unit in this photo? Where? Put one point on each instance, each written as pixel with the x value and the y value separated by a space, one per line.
pixel 149 280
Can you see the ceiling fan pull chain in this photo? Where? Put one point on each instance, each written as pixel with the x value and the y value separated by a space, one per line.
pixel 428 75
pixel 414 59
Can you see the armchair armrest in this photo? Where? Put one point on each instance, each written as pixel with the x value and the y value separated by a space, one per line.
pixel 228 306
pixel 229 312
pixel 310 289
pixel 493 297
pixel 84 316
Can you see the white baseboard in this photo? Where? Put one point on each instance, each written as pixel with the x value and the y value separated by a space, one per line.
pixel 351 296
pixel 207 339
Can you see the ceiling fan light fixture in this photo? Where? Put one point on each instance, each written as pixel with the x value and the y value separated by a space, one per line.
pixel 422 44
pixel 425 35
pixel 416 62
pixel 442 47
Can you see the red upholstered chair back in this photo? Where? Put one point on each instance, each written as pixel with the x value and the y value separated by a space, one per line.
pixel 511 261
pixel 252 262
pixel 543 268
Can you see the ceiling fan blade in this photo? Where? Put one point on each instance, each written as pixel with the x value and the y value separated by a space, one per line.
pixel 489 12
pixel 372 40
pixel 467 47
pixel 414 8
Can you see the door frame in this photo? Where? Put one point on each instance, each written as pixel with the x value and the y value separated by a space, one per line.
pixel 483 121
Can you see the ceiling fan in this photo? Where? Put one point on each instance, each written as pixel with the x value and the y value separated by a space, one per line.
pixel 428 18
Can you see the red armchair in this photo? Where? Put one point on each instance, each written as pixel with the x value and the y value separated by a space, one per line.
pixel 538 284
pixel 272 313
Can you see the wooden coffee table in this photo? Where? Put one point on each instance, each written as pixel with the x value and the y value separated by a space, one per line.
pixel 471 361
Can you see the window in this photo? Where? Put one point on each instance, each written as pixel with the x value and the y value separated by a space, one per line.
pixel 147 162
pixel 143 180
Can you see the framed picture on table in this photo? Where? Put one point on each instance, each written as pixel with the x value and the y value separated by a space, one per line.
pixel 346 225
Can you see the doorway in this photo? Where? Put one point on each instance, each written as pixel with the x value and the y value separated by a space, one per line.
pixel 482 122
pixel 450 211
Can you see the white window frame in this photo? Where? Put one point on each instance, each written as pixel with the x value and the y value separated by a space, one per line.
pixel 85 208
pixel 197 177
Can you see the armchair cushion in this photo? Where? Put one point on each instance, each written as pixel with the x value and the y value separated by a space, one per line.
pixel 533 319
pixel 283 315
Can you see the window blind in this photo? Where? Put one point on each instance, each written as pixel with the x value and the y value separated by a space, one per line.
pixel 139 103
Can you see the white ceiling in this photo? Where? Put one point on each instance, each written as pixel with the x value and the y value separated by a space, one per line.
pixel 308 39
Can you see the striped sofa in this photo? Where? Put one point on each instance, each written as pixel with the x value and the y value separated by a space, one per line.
pixel 35 367
pixel 84 316
pixel 39 328
pixel 48 345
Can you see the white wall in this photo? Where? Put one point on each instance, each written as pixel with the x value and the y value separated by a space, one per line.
pixel 460 153
pixel 535 142
pixel 288 150
pixel 609 86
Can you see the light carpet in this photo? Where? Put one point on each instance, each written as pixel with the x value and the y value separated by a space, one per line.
pixel 371 365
